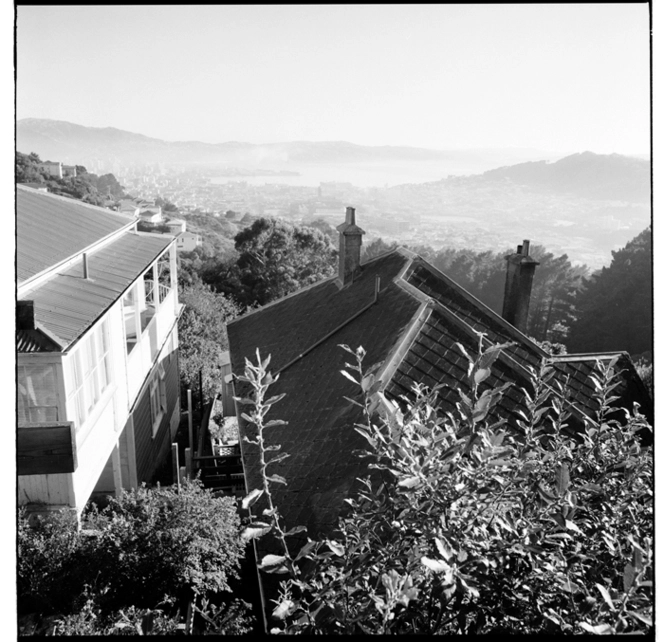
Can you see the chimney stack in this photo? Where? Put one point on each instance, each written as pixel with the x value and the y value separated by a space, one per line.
pixel 25 315
pixel 350 245
pixel 518 286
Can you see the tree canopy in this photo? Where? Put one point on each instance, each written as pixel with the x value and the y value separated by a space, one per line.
pixel 275 258
pixel 202 333
pixel 615 305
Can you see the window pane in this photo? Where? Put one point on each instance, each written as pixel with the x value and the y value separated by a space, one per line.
pixel 37 398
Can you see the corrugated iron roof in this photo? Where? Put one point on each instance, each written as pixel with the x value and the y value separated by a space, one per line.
pixel 52 228
pixel 67 304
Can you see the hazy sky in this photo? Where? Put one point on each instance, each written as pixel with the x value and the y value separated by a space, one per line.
pixel 567 77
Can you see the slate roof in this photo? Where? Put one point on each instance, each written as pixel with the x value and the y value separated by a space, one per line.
pixel 51 228
pixel 412 330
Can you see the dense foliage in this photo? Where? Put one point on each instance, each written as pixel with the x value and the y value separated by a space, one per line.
pixel 202 335
pixel 614 308
pixel 148 554
pixel 98 190
pixel 468 526
pixel 274 258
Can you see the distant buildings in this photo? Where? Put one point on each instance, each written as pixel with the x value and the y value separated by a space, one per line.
pixel 58 170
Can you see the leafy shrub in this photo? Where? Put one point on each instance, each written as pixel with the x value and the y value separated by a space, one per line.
pixel 157 542
pixel 468 526
pixel 149 554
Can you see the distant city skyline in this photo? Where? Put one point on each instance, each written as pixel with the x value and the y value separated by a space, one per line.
pixel 558 77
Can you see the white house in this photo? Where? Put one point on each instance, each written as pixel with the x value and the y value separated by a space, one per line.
pixel 188 241
pixel 97 351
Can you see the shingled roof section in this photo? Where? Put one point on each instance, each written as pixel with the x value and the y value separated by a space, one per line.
pixel 320 435
pixel 412 331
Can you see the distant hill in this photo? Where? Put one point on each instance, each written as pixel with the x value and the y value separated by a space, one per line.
pixel 69 143
pixel 589 175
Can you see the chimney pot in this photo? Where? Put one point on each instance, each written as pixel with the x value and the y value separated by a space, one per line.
pixel 526 247
pixel 86 273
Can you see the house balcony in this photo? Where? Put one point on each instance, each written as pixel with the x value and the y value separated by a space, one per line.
pixel 156 324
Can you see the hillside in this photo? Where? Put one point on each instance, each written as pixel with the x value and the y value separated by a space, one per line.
pixel 76 143
pixel 588 175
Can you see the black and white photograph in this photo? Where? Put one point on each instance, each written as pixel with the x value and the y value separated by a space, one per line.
pixel 334 319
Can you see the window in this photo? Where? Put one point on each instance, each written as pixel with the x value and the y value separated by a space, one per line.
pixel 164 275
pixel 158 403
pixel 129 302
pixel 91 369
pixel 37 399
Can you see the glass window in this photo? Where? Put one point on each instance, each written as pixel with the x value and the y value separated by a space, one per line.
pixel 129 312
pixel 37 397
pixel 92 373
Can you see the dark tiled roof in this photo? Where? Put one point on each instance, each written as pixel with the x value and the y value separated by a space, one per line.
pixel 413 328
pixel 575 372
pixel 435 358
pixel 66 305
pixel 467 308
pixel 319 437
pixel 51 228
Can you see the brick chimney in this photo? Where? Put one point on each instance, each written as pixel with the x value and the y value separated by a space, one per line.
pixel 350 245
pixel 518 286
pixel 25 315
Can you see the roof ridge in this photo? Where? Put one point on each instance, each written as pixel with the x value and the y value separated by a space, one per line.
pixel 280 299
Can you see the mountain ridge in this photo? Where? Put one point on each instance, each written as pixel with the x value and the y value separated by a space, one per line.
pixel 55 137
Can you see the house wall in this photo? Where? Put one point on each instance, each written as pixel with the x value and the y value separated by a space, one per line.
pixel 152 444
pixel 188 242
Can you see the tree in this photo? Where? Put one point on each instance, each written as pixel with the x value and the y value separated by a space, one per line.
pixel 202 334
pixel 552 302
pixel 275 259
pixel 376 248
pixel 615 305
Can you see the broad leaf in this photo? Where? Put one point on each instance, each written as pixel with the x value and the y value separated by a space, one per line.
pixel 272 560
pixel 562 478
pixel 606 596
pixel 251 498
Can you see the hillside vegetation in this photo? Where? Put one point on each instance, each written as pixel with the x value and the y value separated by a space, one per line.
pixel 98 190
